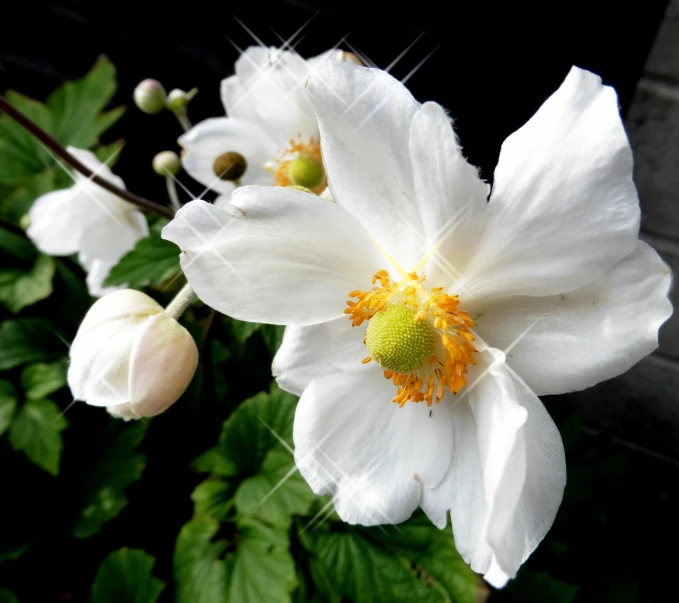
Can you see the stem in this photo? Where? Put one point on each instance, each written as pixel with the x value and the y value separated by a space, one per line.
pixel 178 305
pixel 52 144
pixel 172 193
pixel 184 121
pixel 13 228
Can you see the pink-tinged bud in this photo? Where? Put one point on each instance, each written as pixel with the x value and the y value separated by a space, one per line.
pixel 150 97
pixel 131 356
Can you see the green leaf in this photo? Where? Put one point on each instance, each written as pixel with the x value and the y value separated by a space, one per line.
pixel 109 153
pixel 277 493
pixel 36 431
pixel 125 577
pixel 41 379
pixel 15 205
pixel 7 596
pixel 8 404
pixel 17 247
pixel 29 340
pixel 260 569
pixel 414 561
pixel 242 330
pixel 153 260
pixel 21 288
pixel 273 337
pixel 76 106
pixel 104 483
pixel 21 155
pixel 213 498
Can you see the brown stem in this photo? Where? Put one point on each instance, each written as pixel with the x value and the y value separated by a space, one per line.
pixel 13 228
pixel 58 148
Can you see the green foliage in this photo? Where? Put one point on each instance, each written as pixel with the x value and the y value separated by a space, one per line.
pixel 36 430
pixel 8 404
pixel 27 340
pixel 118 465
pixel 40 379
pixel 153 260
pixel 7 596
pixel 125 576
pixel 23 287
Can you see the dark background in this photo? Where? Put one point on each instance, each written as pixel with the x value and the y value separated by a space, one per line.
pixel 491 66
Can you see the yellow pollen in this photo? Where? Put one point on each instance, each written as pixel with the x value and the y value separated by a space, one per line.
pixel 308 152
pixel 419 336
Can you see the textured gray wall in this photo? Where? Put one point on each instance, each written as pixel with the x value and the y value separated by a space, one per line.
pixel 642 406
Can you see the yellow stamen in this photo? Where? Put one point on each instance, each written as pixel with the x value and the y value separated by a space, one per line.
pixel 453 340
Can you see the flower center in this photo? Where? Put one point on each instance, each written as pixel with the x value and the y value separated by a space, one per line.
pixel 419 336
pixel 397 341
pixel 229 166
pixel 301 165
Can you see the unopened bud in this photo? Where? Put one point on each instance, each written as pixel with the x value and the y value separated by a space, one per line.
pixel 166 163
pixel 131 356
pixel 149 96
pixel 178 100
pixel 230 166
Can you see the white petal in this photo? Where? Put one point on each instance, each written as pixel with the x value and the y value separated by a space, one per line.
pixel 564 208
pixel 353 443
pixel 364 117
pixel 451 197
pixel 89 160
pixel 235 100
pixel 283 257
pixel 163 343
pixel 97 271
pixel 118 305
pixel 54 222
pixel 211 138
pixel 316 350
pixel 273 82
pixel 569 342
pixel 499 520
pixel 112 235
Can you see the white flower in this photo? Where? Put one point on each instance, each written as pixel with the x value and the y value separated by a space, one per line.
pixel 270 124
pixel 88 220
pixel 542 290
pixel 131 356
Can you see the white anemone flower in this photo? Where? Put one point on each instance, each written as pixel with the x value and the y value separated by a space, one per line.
pixel 88 220
pixel 270 136
pixel 425 317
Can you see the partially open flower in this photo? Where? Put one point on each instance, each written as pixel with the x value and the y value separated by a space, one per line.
pixel 131 356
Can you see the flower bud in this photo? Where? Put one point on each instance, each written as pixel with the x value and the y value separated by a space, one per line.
pixel 131 357
pixel 149 96
pixel 178 100
pixel 166 163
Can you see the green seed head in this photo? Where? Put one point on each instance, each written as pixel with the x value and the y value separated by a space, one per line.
pixel 398 343
pixel 306 171
pixel 229 166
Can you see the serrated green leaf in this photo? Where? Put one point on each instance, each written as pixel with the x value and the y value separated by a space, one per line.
pixel 253 429
pixel 109 153
pixel 8 404
pixel 21 288
pixel 201 574
pixel 36 431
pixel 273 337
pixel 153 260
pixel 29 340
pixel 414 561
pixel 21 155
pixel 276 493
pixel 105 482
pixel 260 569
pixel 213 498
pixel 125 577
pixel 41 379
pixel 76 106
pixel 7 596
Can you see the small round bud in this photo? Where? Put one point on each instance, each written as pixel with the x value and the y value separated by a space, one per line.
pixel 303 189
pixel 25 221
pixel 166 163
pixel 306 171
pixel 178 99
pixel 230 166
pixel 149 96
